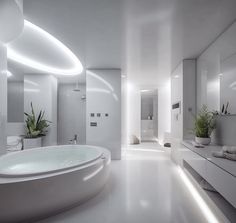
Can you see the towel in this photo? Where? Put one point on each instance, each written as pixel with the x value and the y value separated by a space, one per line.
pixel 229 149
pixel 225 155
pixel 14 143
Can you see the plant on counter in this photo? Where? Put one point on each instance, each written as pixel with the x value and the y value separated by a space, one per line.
pixel 36 126
pixel 205 123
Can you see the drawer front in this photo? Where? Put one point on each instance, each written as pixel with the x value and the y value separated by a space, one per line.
pixel 223 182
pixel 195 161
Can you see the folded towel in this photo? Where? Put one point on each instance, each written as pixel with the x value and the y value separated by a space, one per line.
pixel 225 155
pixel 229 149
pixel 219 154
pixel 14 143
pixel 230 156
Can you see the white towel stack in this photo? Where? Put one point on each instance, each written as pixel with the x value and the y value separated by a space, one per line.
pixel 227 152
pixel 14 143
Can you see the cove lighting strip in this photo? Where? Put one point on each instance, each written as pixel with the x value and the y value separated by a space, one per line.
pixel 77 67
pixel 209 215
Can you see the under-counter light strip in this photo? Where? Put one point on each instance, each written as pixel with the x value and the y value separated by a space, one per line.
pixel 209 215
pixel 20 58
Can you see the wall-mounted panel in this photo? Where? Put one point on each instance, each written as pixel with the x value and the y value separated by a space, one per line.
pixel 103 110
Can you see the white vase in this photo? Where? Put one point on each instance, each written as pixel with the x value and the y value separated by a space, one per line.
pixel 29 143
pixel 203 141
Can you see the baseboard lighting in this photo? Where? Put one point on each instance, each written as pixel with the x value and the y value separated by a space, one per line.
pixel 209 215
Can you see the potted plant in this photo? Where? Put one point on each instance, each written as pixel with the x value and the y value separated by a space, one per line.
pixel 205 123
pixel 36 127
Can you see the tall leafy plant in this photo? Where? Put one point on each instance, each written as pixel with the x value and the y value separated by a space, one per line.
pixel 205 123
pixel 36 126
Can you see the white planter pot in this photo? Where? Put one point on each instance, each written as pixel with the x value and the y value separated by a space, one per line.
pixel 29 143
pixel 203 141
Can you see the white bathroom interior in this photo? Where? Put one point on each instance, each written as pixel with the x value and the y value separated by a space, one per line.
pixel 118 111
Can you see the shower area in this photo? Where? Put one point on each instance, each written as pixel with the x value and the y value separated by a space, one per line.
pixel 72 112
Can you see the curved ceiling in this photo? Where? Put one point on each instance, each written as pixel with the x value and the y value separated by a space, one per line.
pixel 38 49
pixel 11 20
pixel 146 39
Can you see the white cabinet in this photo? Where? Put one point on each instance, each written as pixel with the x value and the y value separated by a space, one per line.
pixel 220 173
pixel 197 162
pixel 222 181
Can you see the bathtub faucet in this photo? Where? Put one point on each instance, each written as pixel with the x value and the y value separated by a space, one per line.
pixel 74 140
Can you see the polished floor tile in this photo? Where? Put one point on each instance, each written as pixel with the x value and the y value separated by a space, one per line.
pixel 144 186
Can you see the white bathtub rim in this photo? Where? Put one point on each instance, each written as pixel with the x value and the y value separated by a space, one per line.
pixel 105 157
pixel 2 175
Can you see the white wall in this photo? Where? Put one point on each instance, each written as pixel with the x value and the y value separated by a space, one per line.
pixel 164 111
pixel 177 96
pixel 183 82
pixel 155 114
pixel 41 90
pixel 133 111
pixel 124 116
pixel 71 113
pixel 104 96
pixel 3 98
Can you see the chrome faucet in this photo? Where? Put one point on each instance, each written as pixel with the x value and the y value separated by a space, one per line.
pixel 74 140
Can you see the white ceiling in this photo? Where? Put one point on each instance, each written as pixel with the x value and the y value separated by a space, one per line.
pixel 145 38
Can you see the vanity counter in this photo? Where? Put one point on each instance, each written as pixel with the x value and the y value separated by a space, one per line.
pixel 206 152
pixel 218 172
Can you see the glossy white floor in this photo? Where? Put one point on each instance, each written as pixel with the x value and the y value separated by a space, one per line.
pixel 145 186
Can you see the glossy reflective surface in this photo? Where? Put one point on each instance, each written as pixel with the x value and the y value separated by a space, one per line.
pixel 145 186
pixel 45 160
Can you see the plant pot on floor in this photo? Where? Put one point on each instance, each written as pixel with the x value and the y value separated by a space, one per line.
pixel 29 143
pixel 203 141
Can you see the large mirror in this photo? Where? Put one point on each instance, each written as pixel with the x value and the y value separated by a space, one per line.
pixel 62 98
pixel 228 86
pixel 218 84
pixel 15 95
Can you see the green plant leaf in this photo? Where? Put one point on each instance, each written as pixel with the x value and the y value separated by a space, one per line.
pixel 36 128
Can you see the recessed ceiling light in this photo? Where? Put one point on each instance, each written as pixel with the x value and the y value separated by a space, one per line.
pixel 18 56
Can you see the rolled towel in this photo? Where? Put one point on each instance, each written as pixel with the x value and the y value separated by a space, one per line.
pixel 229 149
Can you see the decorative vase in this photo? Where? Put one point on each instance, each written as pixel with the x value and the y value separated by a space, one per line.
pixel 203 141
pixel 29 143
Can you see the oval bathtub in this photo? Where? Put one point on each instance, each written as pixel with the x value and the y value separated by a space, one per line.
pixel 39 182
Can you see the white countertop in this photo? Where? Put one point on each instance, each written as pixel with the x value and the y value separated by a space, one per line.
pixel 206 152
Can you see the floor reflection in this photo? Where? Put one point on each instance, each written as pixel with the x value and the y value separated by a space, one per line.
pixel 145 186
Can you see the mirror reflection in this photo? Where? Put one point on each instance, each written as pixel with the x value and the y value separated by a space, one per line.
pixel 15 94
pixel 220 86
pixel 62 99
pixel 228 86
